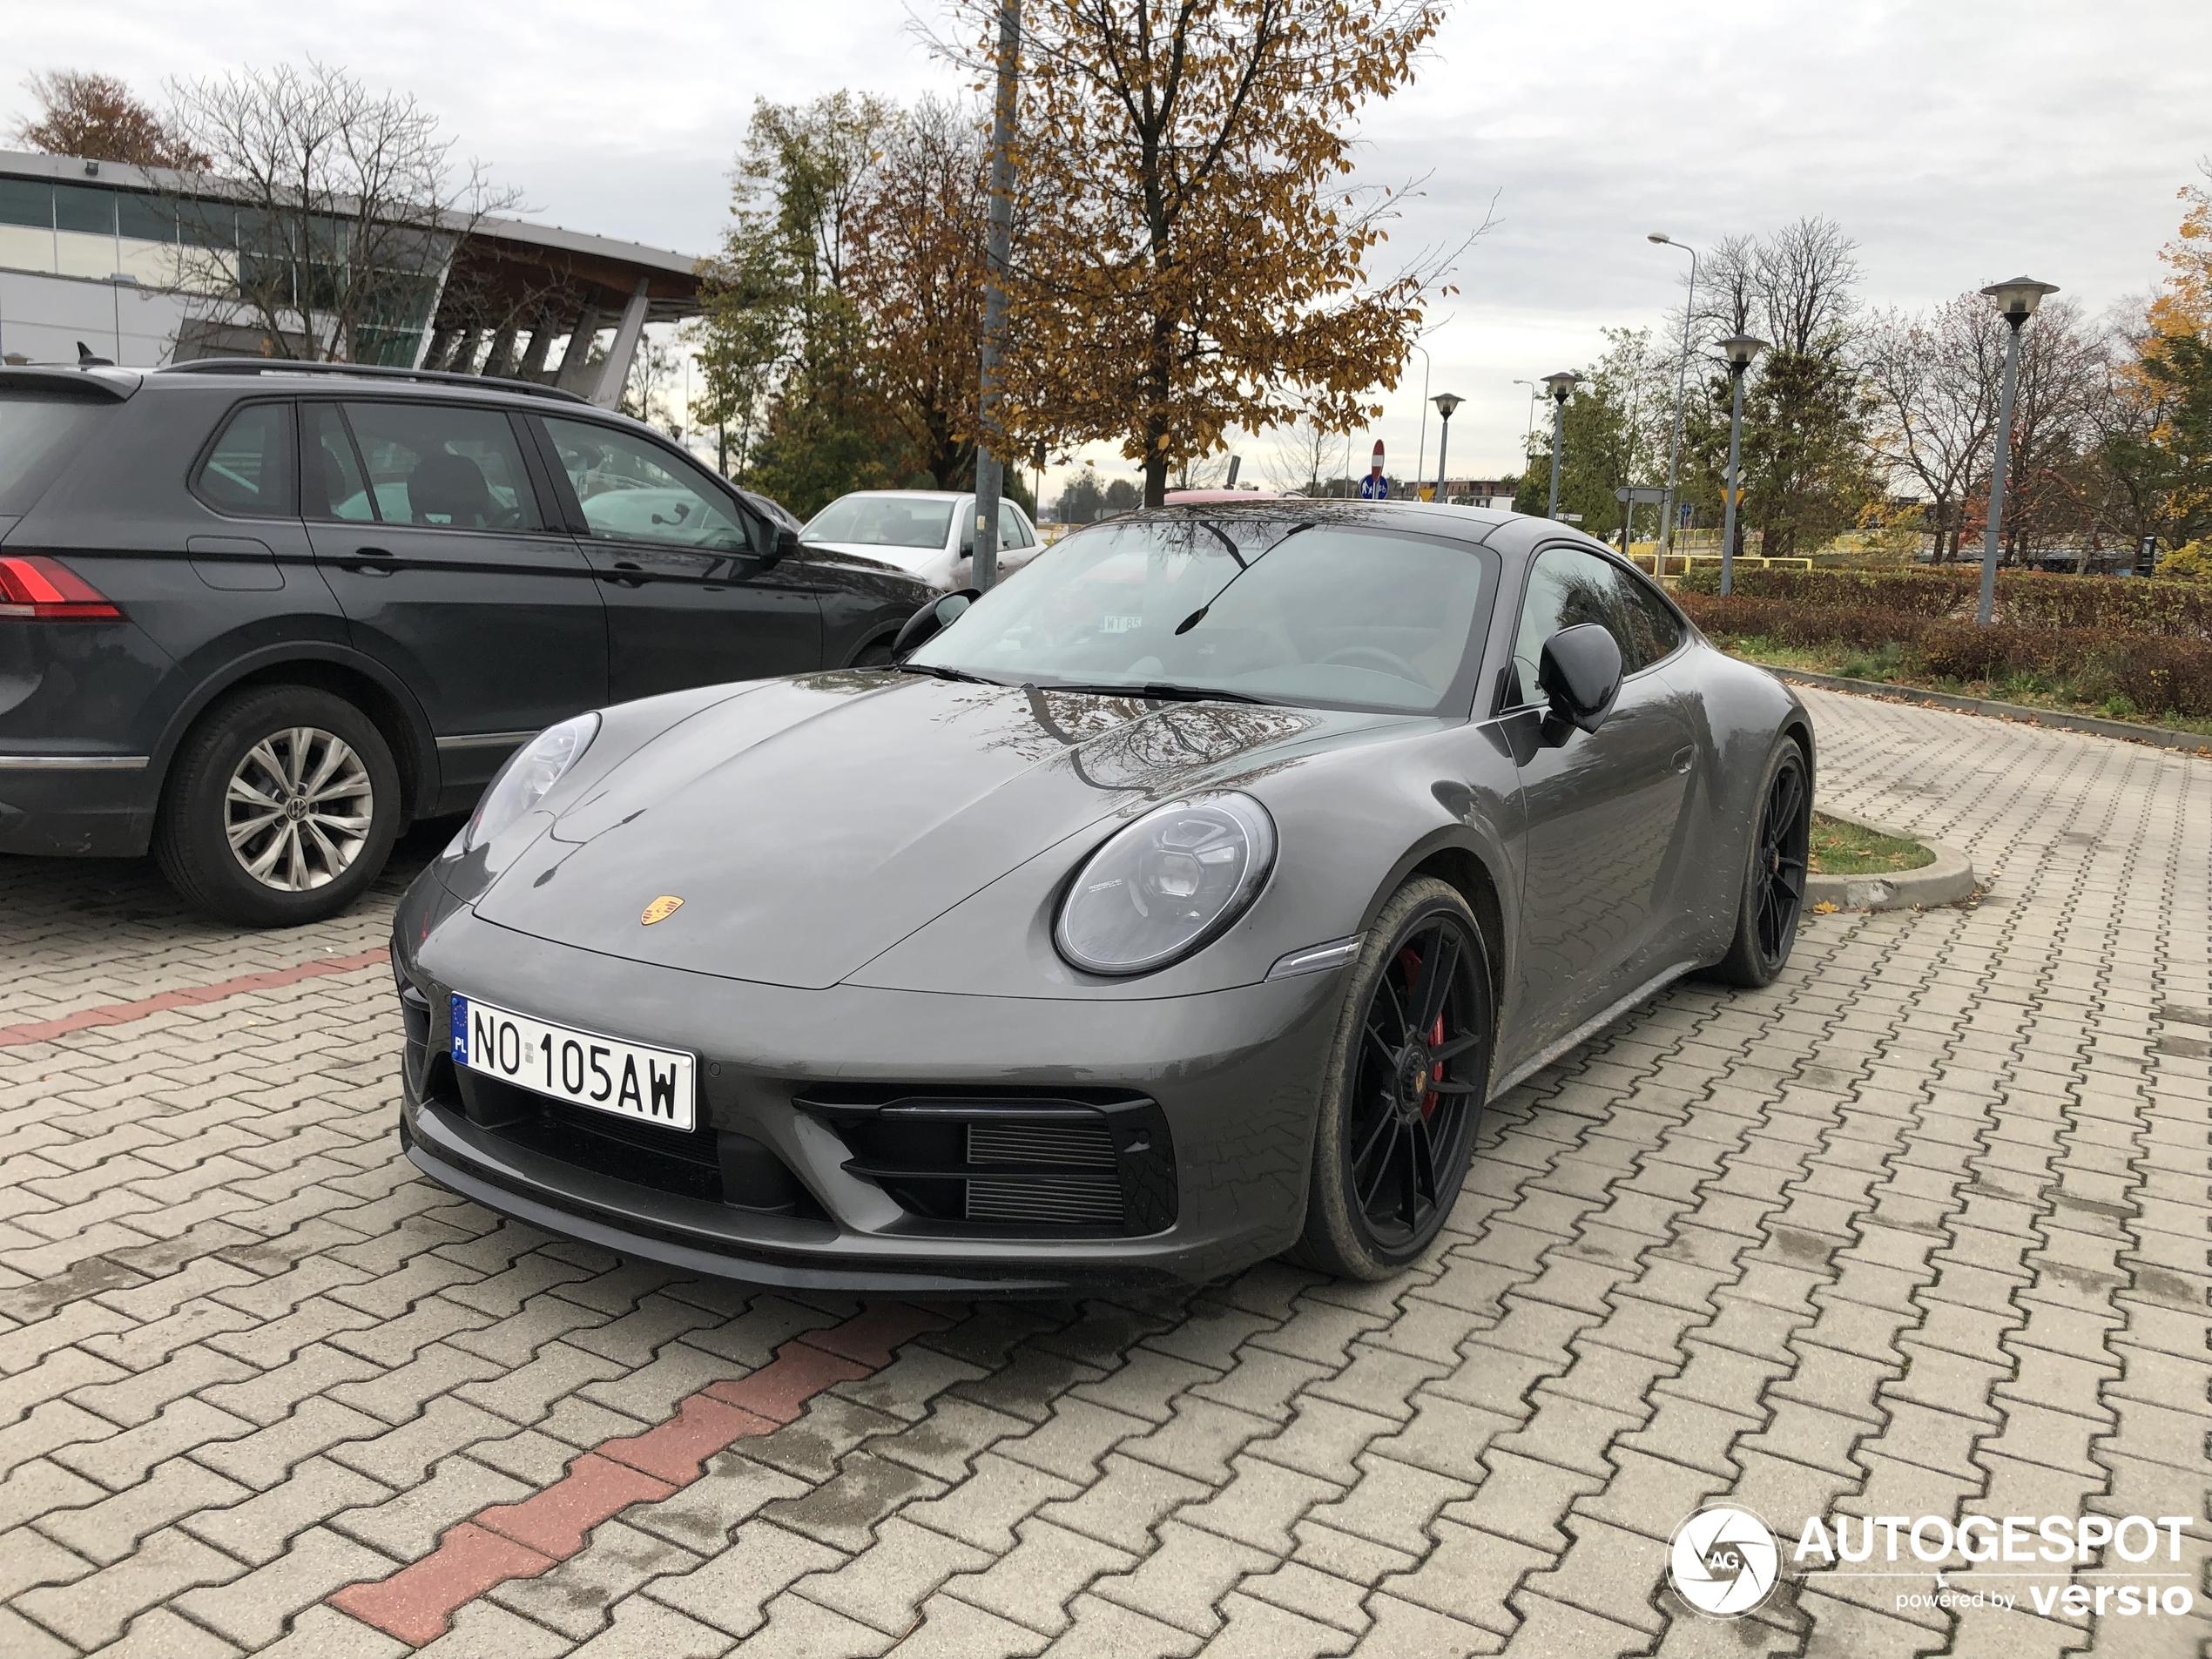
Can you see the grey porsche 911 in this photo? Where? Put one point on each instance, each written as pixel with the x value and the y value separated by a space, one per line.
pixel 1181 902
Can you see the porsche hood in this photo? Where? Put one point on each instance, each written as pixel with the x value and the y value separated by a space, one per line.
pixel 809 824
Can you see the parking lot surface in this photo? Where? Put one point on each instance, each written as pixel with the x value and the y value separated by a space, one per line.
pixel 1919 1231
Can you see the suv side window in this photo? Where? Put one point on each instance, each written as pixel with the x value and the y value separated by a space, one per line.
pixel 334 485
pixel 249 470
pixel 1567 586
pixel 631 490
pixel 434 464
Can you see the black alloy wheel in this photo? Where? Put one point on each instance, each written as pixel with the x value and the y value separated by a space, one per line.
pixel 1411 1074
pixel 1774 892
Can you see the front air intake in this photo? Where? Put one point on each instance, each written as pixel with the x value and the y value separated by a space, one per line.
pixel 1000 1160
pixel 1089 1194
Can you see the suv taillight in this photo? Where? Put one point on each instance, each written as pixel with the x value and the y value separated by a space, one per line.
pixel 34 586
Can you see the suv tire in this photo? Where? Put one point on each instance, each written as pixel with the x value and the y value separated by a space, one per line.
pixel 332 795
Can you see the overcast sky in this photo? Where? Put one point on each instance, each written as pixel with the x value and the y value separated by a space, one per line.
pixel 1959 141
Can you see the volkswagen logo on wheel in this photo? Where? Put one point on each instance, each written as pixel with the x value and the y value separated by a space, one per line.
pixel 1724 1561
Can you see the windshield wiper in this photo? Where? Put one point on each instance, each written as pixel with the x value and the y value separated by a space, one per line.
pixel 1165 692
pixel 944 673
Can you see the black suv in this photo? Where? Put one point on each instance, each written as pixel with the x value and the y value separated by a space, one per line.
pixel 260 616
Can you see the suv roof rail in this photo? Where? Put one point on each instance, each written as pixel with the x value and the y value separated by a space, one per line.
pixel 367 371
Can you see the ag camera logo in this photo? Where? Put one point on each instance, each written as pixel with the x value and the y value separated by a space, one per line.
pixel 1723 1561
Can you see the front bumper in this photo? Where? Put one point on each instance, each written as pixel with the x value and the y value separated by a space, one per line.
pixel 1232 1078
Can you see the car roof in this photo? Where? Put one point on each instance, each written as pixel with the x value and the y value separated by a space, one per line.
pixel 235 378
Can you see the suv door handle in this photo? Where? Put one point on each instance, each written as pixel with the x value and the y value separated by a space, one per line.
pixel 373 567
pixel 638 580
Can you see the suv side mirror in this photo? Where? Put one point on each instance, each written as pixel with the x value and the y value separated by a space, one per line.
pixel 931 620
pixel 1580 675
pixel 785 545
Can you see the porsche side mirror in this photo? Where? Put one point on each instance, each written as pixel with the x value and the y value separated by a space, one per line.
pixel 1580 676
pixel 933 619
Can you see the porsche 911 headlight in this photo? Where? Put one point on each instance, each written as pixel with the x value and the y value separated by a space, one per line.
pixel 523 781
pixel 1166 885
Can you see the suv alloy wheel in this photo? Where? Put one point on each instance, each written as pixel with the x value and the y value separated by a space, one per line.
pixel 282 807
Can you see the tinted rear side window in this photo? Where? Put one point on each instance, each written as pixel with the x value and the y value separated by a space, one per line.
pixel 431 463
pixel 39 432
pixel 249 471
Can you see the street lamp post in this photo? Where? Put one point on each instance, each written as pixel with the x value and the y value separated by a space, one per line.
pixel 1561 386
pixel 998 254
pixel 2016 302
pixel 1534 394
pixel 1741 349
pixel 1421 450
pixel 1682 384
pixel 1446 402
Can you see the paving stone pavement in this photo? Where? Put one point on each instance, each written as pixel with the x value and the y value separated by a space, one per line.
pixel 1920 1231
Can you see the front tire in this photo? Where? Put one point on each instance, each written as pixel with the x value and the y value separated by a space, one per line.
pixel 281 809
pixel 1407 1079
pixel 1774 876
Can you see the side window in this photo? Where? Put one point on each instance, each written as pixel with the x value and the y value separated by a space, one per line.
pixel 436 465
pixel 250 470
pixel 332 486
pixel 1566 586
pixel 1014 530
pixel 1657 631
pixel 632 490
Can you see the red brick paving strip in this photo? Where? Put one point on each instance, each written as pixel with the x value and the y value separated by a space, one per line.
pixel 522 1540
pixel 18 1036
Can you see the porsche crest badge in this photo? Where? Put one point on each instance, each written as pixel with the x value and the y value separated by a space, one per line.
pixel 661 909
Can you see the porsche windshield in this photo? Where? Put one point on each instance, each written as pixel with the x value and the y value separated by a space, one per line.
pixel 1276 610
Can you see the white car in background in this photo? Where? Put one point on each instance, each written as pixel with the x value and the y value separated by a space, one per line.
pixel 928 534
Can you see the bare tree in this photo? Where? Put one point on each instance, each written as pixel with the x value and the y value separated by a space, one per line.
pixel 1935 380
pixel 1807 276
pixel 1795 288
pixel 337 211
pixel 1728 296
pixel 1304 450
pixel 2062 376
pixel 654 372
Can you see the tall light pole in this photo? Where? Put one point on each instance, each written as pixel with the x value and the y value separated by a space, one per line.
pixel 1529 436
pixel 1561 386
pixel 2016 302
pixel 1420 451
pixel 1682 385
pixel 1741 349
pixel 998 253
pixel 1446 402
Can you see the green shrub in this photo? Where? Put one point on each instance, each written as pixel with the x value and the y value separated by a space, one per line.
pixel 2178 610
pixel 2148 673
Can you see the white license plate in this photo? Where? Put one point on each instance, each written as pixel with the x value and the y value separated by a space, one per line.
pixel 629 1079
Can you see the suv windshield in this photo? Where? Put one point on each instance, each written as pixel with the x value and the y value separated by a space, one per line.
pixel 1336 615
pixel 38 432
pixel 867 520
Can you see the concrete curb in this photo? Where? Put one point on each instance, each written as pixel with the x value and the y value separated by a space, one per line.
pixel 1948 879
pixel 2126 731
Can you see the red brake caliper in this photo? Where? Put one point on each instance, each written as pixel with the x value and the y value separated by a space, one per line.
pixel 1412 963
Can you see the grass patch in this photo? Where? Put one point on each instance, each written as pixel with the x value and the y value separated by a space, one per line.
pixel 1849 849
pixel 1884 667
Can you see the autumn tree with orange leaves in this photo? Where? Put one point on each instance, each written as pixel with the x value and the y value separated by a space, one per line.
pixel 1195 252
